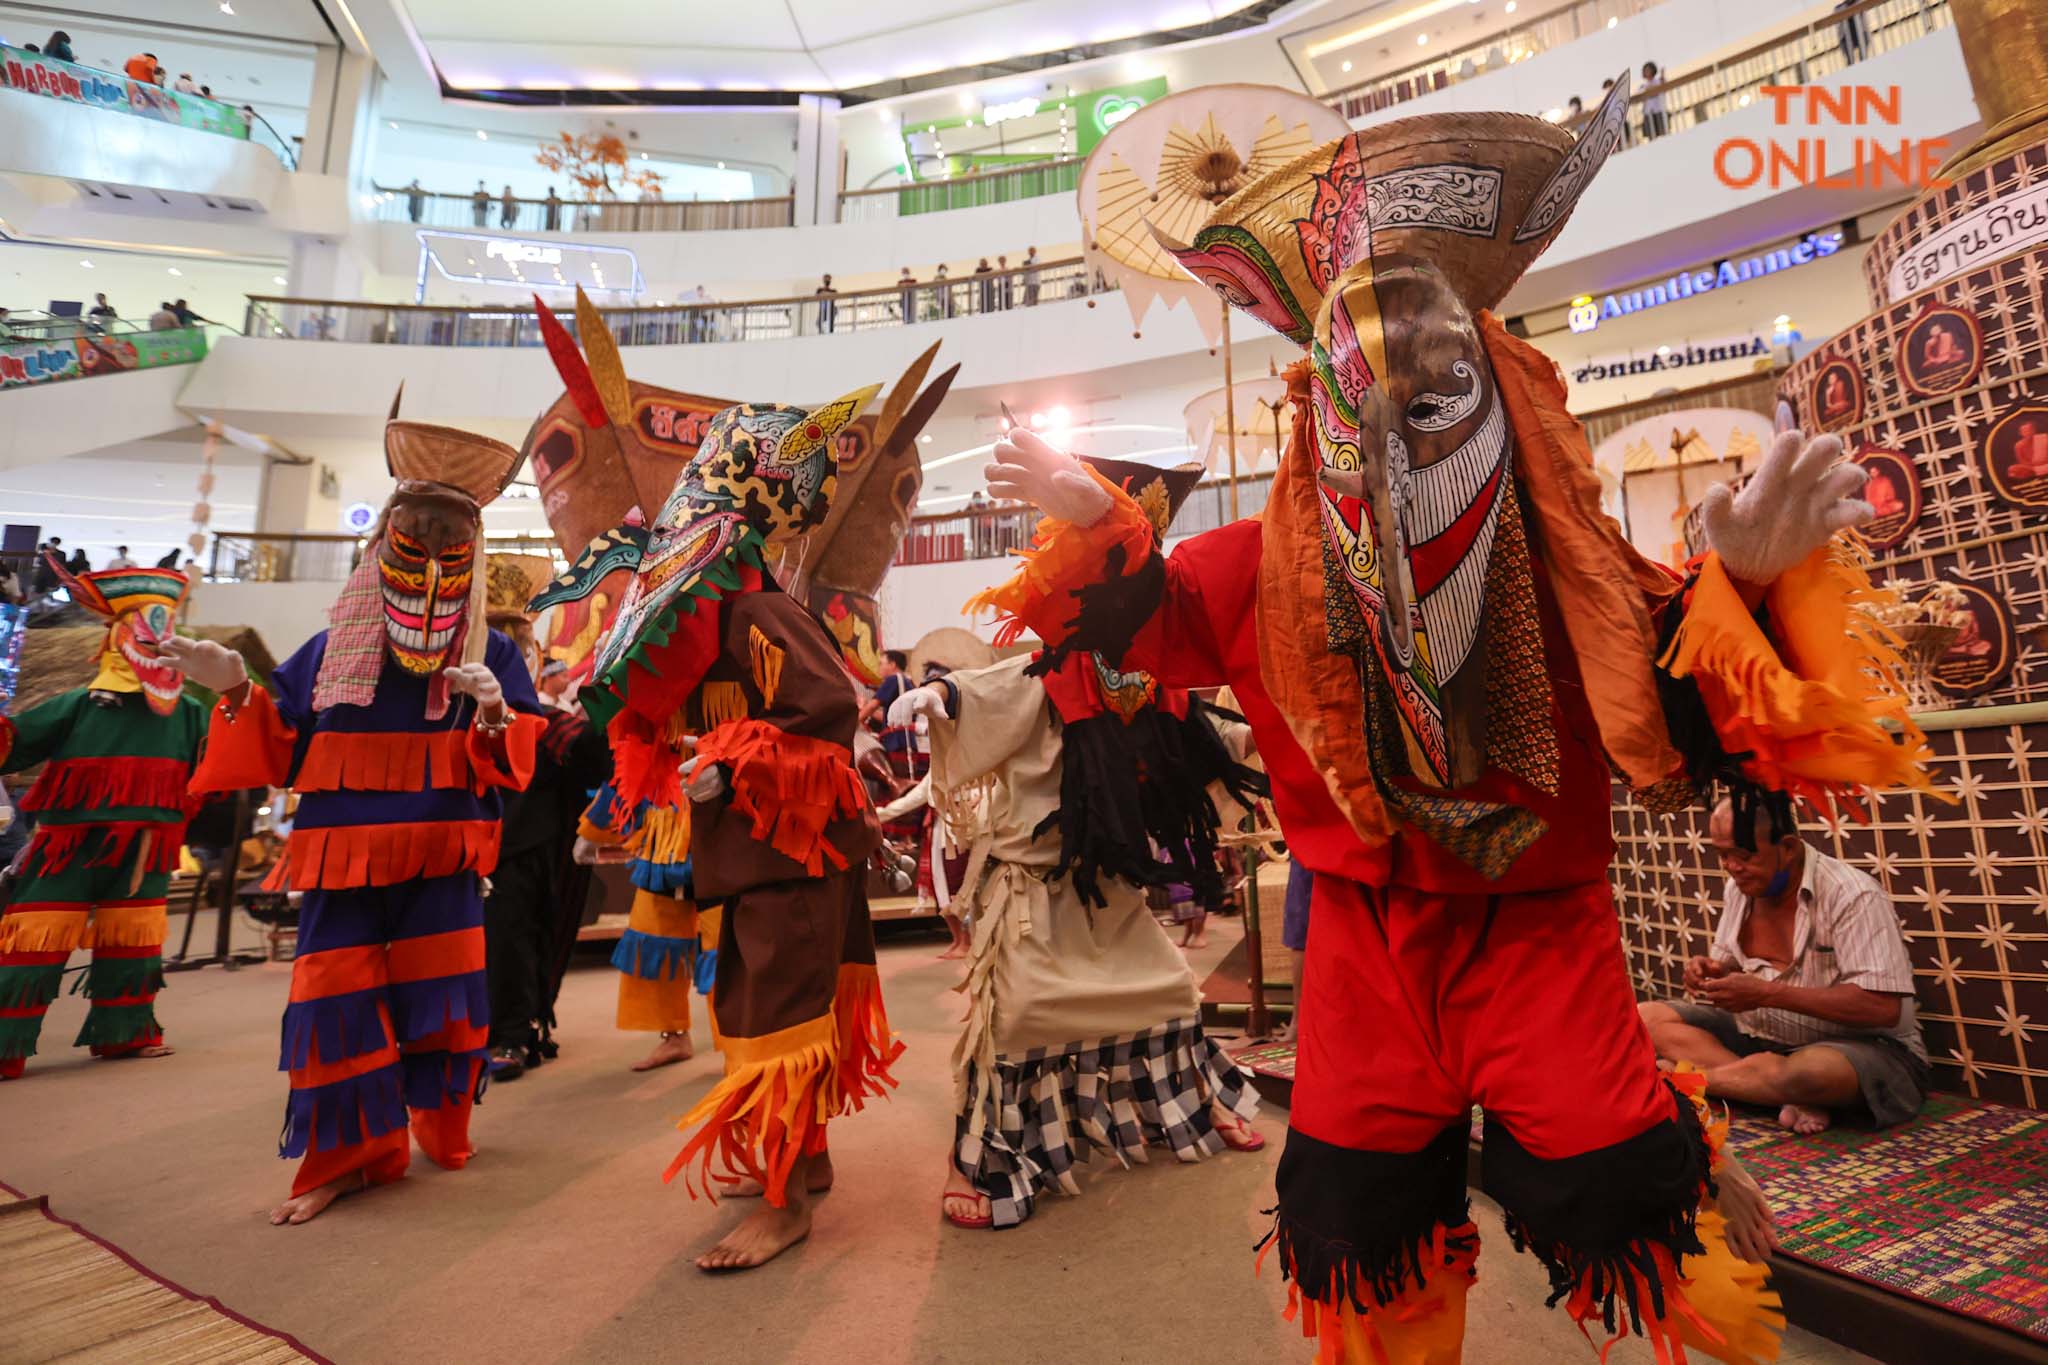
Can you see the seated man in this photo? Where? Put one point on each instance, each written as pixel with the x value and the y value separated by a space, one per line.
pixel 1806 1001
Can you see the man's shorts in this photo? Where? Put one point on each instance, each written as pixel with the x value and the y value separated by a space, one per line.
pixel 1894 1081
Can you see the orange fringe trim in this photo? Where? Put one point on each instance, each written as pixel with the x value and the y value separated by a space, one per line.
pixel 250 748
pixel 379 762
pixel 1808 705
pixel 1423 1326
pixel 346 857
pixel 1063 559
pixel 780 1091
pixel 793 786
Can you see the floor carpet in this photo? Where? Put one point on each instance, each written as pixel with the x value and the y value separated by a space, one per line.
pixel 75 1297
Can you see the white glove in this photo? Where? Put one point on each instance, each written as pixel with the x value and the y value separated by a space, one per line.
pixel 1027 468
pixel 585 852
pixel 1801 495
pixel 212 665
pixel 918 701
pixel 701 781
pixel 476 680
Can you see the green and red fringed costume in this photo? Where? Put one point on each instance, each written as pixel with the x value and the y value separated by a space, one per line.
pixel 110 808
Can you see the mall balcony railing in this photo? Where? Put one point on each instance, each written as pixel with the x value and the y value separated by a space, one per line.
pixel 995 531
pixel 1441 69
pixel 317 557
pixel 113 92
pixel 404 204
pixel 42 348
pixel 1807 55
pixel 405 324
pixel 961 191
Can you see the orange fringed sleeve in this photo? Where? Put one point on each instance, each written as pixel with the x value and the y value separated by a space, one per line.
pixel 1040 598
pixel 791 786
pixel 1810 704
pixel 247 748
pixel 506 759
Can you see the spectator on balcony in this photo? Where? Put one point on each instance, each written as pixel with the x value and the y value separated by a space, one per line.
pixel 1574 110
pixel 163 319
pixel 508 208
pixel 480 205
pixel 942 292
pixel 1852 34
pixel 827 304
pixel 44 579
pixel 1031 277
pixel 142 68
pixel 6 328
pixel 248 113
pixel 1656 122
pixel 78 563
pixel 102 311
pixel 186 85
pixel 987 292
pixel 206 92
pixel 416 199
pixel 170 561
pixel 121 559
pixel 184 314
pixel 59 47
pixel 906 303
pixel 1006 283
pixel 553 211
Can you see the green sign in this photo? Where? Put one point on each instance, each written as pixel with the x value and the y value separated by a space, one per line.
pixel 79 357
pixel 1095 113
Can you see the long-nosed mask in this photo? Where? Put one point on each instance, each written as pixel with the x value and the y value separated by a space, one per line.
pixel 1416 456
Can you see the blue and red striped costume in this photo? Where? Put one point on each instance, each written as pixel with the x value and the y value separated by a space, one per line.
pixel 398 820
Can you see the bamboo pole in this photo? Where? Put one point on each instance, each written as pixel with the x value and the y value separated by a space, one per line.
pixel 1229 405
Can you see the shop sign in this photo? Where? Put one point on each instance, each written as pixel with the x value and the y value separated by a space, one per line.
pixel 1585 314
pixel 41 362
pixel 2013 223
pixel 1690 354
pixel 37 362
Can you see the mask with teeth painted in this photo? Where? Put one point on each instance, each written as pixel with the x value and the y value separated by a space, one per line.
pixel 426 564
pixel 141 608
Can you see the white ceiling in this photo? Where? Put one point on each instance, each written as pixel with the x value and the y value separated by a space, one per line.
pixel 296 21
pixel 777 45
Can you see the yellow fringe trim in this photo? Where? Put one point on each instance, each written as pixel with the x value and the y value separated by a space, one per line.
pixel 767 659
pixel 779 1090
pixel 663 836
pixel 42 931
pixel 722 702
pixel 1808 704
pixel 1424 1326
pixel 654 1006
pixel 127 926
pixel 663 916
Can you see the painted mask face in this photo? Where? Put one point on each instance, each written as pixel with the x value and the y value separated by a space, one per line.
pixel 1415 452
pixel 425 564
pixel 132 647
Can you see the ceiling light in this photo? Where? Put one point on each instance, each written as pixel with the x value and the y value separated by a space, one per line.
pixel 482 136
pixel 1663 350
pixel 176 271
pixel 1511 7
pixel 392 126
pixel 1057 418
pixel 1421 38
pixel 226 7
pixel 85 265
pixel 278 280
pixel 1613 20
pixel 967 99
pixel 721 165
pixel 1347 66
pixel 926 439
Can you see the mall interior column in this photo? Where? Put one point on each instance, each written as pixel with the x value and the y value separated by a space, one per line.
pixel 816 183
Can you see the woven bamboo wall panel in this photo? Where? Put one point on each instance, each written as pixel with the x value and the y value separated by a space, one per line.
pixel 1969 882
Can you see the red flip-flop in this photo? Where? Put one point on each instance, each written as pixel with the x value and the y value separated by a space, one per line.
pixel 986 1220
pixel 1241 1139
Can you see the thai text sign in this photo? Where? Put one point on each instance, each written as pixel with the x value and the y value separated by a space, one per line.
pixel 2013 223
pixel 35 74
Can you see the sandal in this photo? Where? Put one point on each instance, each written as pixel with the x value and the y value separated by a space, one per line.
pixel 986 1220
pixel 507 1063
pixel 1240 1136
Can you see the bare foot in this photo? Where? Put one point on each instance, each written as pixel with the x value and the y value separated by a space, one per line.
pixel 953 950
pixel 1200 940
pixel 963 1205
pixel 817 1181
pixel 1804 1118
pixel 304 1208
pixel 1286 1033
pixel 1752 1230
pixel 151 1050
pixel 673 1048
pixel 762 1236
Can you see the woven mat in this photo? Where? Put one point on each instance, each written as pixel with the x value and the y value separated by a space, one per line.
pixel 1951 1209
pixel 1267 1059
pixel 69 1296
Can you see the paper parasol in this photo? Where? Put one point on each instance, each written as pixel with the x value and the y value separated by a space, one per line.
pixel 1170 164
pixel 1260 406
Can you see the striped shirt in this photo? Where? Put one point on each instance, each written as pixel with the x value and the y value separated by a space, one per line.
pixel 1845 933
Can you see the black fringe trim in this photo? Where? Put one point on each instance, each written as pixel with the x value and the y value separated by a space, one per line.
pixel 1111 612
pixel 1605 1268
pixel 1352 1224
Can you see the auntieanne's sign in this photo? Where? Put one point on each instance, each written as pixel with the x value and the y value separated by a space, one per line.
pixel 1674 358
pixel 1584 314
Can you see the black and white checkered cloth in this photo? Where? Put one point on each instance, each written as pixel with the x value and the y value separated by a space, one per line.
pixel 1050 1108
